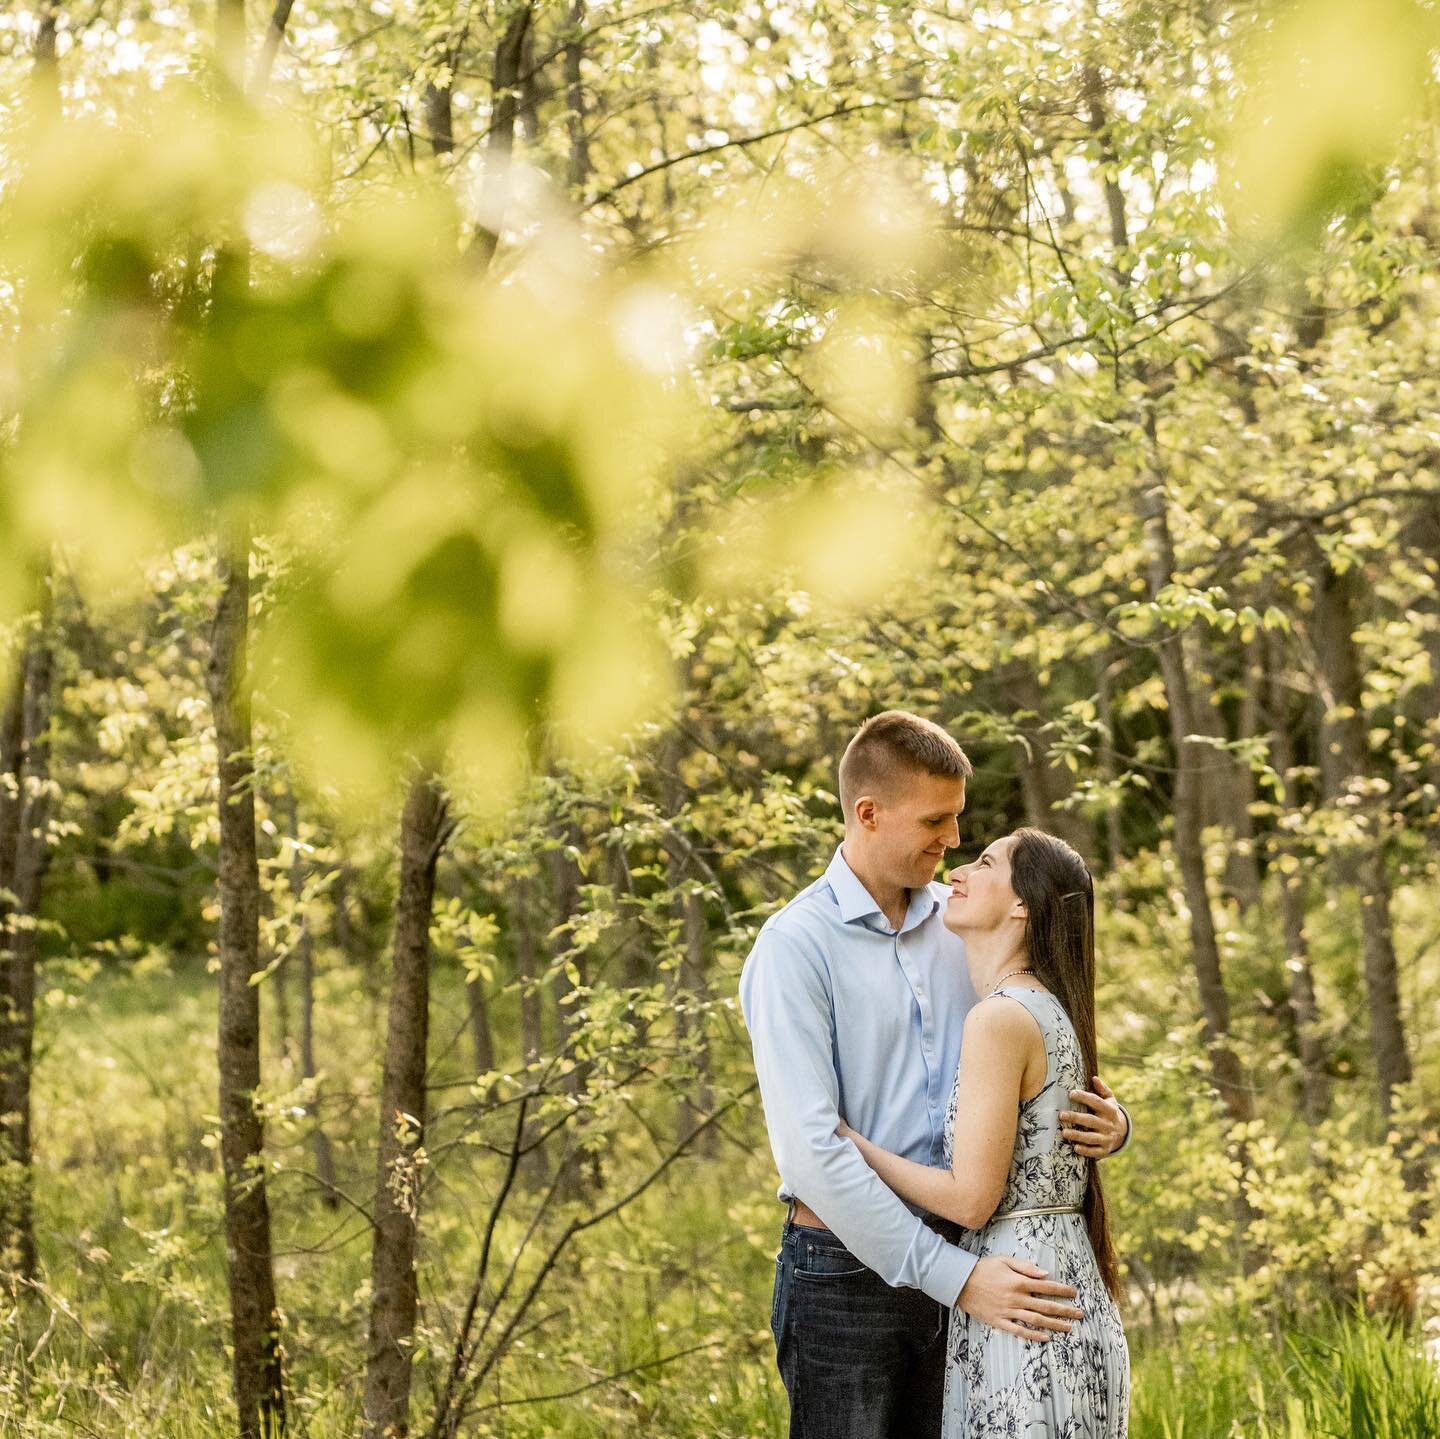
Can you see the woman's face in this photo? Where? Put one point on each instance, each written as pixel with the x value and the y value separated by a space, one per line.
pixel 981 898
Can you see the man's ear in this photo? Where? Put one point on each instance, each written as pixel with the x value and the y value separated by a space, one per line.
pixel 866 812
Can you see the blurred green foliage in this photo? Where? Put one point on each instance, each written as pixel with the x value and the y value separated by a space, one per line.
pixel 735 440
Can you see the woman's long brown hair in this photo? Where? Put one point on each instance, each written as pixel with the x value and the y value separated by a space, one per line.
pixel 1059 897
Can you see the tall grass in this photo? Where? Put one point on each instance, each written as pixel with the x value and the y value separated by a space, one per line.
pixel 1338 1376
pixel 658 1328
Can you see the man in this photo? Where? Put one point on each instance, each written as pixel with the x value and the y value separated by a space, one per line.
pixel 855 996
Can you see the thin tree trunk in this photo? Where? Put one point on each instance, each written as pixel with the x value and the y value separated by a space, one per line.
pixel 1226 785
pixel 24 796
pixel 629 949
pixel 1423 538
pixel 1242 867
pixel 691 983
pixel 504 107
pixel 278 984
pixel 19 939
pixel 583 1173
pixel 1045 786
pixel 1190 759
pixel 1098 123
pixel 1315 1081
pixel 691 992
pixel 394 1290
pixel 527 971
pixel 12 797
pixel 527 86
pixel 481 1033
pixel 258 1376
pixel 1114 832
pixel 305 952
pixel 439 104
pixel 533 1165
pixel 47 62
pixel 439 118
pixel 270 46
pixel 578 169
pixel 1344 736
pixel 345 935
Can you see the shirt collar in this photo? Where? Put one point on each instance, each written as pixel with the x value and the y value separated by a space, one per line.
pixel 856 902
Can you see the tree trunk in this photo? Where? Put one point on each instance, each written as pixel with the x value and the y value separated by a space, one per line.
pixel 345 936
pixel 12 795
pixel 394 1290
pixel 18 943
pixel 481 1033
pixel 629 948
pixel 1105 710
pixel 505 79
pixel 1423 538
pixel 583 1173
pixel 439 107
pixel 1191 759
pixel 691 985
pixel 277 982
pixel 1344 739
pixel 47 63
pixel 690 1003
pixel 1310 1049
pixel 305 952
pixel 1242 867
pixel 523 945
pixel 1098 122
pixel 1045 786
pixel 578 169
pixel 258 1376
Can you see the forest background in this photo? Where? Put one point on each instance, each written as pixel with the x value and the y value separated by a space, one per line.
pixel 502 451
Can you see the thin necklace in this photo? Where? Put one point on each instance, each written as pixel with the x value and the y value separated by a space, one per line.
pixel 1004 977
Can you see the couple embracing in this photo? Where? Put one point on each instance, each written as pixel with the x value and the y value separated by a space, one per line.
pixel 926 1057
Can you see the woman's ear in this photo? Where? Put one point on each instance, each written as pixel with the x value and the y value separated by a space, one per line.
pixel 1018 911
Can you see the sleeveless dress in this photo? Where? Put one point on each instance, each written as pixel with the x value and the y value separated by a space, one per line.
pixel 1076 1386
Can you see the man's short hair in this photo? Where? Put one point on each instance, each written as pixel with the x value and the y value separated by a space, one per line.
pixel 891 745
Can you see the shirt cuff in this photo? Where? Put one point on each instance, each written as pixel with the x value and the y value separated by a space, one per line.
pixel 1129 1130
pixel 948 1274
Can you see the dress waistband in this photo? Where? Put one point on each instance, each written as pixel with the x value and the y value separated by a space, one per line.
pixel 1044 1209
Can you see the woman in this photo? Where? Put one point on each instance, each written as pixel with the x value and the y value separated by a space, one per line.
pixel 1026 910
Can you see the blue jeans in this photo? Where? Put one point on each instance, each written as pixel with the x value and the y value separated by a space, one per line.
pixel 859 1359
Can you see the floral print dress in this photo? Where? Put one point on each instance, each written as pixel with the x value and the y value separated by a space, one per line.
pixel 1076 1386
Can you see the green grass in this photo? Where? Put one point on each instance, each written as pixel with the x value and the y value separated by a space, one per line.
pixel 1335 1376
pixel 129 1208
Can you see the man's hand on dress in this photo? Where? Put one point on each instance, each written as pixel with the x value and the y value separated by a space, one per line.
pixel 1014 1295
pixel 1100 1128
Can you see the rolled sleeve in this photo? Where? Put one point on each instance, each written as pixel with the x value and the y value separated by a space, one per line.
pixel 786 999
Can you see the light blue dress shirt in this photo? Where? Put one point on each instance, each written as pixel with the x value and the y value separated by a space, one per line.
pixel 848 1016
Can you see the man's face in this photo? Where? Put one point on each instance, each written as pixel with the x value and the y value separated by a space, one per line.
pixel 914 825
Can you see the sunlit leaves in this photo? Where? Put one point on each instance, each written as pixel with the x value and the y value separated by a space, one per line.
pixel 1331 88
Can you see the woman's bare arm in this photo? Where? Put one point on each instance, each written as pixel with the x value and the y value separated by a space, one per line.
pixel 998 1041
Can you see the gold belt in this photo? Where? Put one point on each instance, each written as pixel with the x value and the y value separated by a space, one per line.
pixel 1046 1209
